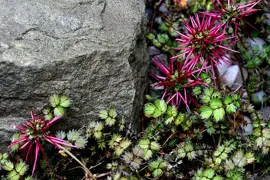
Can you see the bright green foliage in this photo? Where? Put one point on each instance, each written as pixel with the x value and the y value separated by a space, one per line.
pixel 216 106
pixel 206 174
pixel 58 104
pixel 118 144
pixel 234 175
pixel 187 150
pixel 148 147
pixel 155 110
pixel 157 167
pixel 15 171
pixel 109 117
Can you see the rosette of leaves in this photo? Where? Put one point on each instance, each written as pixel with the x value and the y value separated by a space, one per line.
pixel 157 167
pixel 58 104
pixel 17 171
pixel 149 147
pixel 186 149
pixel 118 144
pixel 156 109
pixel 216 107
pixel 206 175
pixel 108 116
pixel 134 158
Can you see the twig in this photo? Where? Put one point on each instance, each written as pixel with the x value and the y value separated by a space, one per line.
pixel 102 175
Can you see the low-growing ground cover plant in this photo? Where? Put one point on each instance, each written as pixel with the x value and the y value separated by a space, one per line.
pixel 195 126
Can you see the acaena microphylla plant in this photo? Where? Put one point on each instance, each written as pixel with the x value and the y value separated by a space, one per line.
pixel 231 13
pixel 33 133
pixel 176 81
pixel 204 43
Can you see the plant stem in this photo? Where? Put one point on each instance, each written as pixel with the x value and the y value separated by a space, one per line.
pixel 217 78
pixel 76 159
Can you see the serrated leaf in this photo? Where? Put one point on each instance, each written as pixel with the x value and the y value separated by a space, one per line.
pixel 149 109
pixel 209 173
pixel 110 121
pixel 227 100
pixel 172 111
pixel 205 99
pixel 157 172
pixel 231 108
pixel 8 166
pixel 73 135
pixel 81 142
pixel 215 103
pixel 103 114
pixel 21 168
pixel 179 119
pixel 112 113
pixel 54 100
pixel 64 101
pixel 147 154
pixel 206 112
pixel 155 145
pixel 161 105
pixel 219 114
pixel 144 143
pixel 13 176
pixel 59 111
pixel 208 91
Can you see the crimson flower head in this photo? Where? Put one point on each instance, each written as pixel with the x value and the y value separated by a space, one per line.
pixel 33 133
pixel 176 82
pixel 204 43
pixel 229 12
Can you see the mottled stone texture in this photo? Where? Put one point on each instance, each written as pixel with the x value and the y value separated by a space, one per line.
pixel 91 50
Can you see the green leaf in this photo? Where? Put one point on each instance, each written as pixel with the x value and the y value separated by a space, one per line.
pixel 215 103
pixel 157 172
pixel 151 36
pixel 208 91
pixel 64 101
pixel 227 100
pixel 205 99
pixel 21 168
pixel 209 173
pixel 163 27
pixel 59 111
pixel 144 143
pixel 155 146
pixel 81 142
pixel 206 112
pixel 13 176
pixel 8 166
pixel 266 133
pixel 231 108
pixel 161 105
pixel 147 154
pixel 149 109
pixel 73 135
pixel 172 111
pixel 219 114
pixel 110 121
pixel 54 100
pixel 179 119
pixel 103 114
pixel 112 113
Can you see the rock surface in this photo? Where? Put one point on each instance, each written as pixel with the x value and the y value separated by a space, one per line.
pixel 90 50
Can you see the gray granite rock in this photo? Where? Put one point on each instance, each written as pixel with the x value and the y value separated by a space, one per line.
pixel 90 50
